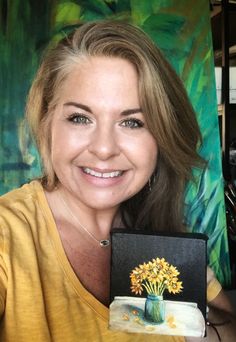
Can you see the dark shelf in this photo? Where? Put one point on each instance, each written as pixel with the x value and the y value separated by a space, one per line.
pixel 232 108
pixel 216 28
pixel 223 24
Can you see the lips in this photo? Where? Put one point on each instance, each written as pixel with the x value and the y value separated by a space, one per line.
pixel 98 174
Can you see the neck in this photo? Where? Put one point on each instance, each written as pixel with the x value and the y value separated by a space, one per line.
pixel 97 223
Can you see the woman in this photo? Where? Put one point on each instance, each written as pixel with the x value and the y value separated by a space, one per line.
pixel 116 133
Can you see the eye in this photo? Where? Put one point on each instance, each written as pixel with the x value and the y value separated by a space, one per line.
pixel 132 123
pixel 79 119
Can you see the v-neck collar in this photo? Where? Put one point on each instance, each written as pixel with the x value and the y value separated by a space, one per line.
pixel 84 295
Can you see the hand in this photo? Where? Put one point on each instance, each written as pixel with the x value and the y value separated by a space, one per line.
pixel 221 329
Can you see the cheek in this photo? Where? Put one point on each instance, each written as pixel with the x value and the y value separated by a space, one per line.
pixel 143 156
pixel 147 155
pixel 59 144
pixel 154 157
pixel 141 147
pixel 149 159
pixel 60 149
pixel 152 148
pixel 65 141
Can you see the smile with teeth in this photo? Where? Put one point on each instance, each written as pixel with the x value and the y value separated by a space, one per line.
pixel 102 174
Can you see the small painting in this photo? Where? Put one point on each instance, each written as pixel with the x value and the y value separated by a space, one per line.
pixel 154 314
pixel 157 295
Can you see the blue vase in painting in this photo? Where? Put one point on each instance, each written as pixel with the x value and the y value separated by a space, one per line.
pixel 154 309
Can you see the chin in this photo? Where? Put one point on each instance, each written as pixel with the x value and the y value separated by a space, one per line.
pixel 102 204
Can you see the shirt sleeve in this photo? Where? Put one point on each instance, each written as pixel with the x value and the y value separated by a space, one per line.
pixel 213 285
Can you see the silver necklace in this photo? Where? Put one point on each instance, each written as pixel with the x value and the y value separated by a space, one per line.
pixel 103 242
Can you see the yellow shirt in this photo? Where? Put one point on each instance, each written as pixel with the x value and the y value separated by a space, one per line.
pixel 41 298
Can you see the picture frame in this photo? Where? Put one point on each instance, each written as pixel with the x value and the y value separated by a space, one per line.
pixel 136 256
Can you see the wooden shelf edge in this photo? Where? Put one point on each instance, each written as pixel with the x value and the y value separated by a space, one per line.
pixel 220 107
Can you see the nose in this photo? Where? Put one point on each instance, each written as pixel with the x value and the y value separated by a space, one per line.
pixel 104 142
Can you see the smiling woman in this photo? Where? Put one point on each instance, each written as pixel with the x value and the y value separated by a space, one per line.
pixel 168 114
pixel 116 134
pixel 101 146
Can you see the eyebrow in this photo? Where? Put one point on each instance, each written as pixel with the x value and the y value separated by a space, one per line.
pixel 78 105
pixel 131 111
pixel 88 109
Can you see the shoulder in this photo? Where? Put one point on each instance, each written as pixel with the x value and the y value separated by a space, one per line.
pixel 21 202
pixel 27 189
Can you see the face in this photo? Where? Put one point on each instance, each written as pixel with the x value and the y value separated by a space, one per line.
pixel 102 151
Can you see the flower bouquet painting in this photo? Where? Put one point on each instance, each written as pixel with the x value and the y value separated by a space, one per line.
pixel 154 289
pixel 156 277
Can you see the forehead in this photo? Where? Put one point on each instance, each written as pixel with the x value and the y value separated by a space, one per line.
pixel 101 67
pixel 104 78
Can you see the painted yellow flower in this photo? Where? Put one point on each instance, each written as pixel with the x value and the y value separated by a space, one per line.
pixel 136 288
pixel 161 264
pixel 172 271
pixel 155 277
pixel 175 287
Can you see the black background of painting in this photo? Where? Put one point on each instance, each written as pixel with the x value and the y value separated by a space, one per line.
pixel 185 251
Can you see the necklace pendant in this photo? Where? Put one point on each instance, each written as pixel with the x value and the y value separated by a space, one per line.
pixel 104 243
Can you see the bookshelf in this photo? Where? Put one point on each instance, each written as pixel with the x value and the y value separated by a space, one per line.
pixel 223 23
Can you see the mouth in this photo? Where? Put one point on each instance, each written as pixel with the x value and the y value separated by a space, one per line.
pixel 97 174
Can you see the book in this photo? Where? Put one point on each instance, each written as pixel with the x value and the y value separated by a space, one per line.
pixel 173 266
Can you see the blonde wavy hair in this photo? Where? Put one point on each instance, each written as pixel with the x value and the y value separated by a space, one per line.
pixel 164 102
